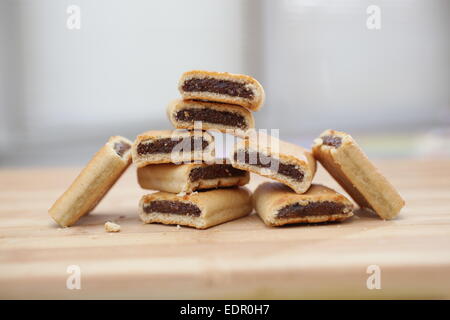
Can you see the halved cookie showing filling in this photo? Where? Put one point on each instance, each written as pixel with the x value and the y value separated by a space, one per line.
pixel 172 147
pixel 217 116
pixel 200 210
pixel 344 159
pixel 222 87
pixel 276 159
pixel 191 177
pixel 278 205
pixel 93 182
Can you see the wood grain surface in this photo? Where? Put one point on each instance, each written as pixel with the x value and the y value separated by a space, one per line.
pixel 239 259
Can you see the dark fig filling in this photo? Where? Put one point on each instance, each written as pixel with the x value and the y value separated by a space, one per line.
pixel 212 116
pixel 173 207
pixel 166 145
pixel 260 160
pixel 230 88
pixel 121 147
pixel 311 209
pixel 332 141
pixel 215 171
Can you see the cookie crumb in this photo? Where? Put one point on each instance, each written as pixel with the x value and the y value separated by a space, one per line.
pixel 112 227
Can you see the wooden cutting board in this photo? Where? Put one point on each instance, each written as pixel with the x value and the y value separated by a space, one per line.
pixel 240 259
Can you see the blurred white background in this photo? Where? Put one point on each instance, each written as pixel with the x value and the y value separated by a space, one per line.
pixel 64 92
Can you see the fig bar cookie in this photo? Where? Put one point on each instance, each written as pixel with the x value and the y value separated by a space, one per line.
pixel 218 116
pixel 347 163
pixel 93 182
pixel 278 205
pixel 190 177
pixel 275 159
pixel 200 210
pixel 172 146
pixel 222 87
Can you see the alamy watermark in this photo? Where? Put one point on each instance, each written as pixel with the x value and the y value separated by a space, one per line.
pixel 253 147
pixel 374 280
pixel 73 282
pixel 373 21
pixel 74 17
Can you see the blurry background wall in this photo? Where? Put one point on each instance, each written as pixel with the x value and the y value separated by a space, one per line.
pixel 63 92
pixel 321 59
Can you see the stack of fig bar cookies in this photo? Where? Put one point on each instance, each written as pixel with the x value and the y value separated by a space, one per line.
pixel 196 189
pixel 181 164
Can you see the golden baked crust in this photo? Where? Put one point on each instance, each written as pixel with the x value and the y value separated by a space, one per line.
pixel 91 185
pixel 253 104
pixel 270 197
pixel 353 170
pixel 179 104
pixel 217 206
pixel 286 152
pixel 206 155
pixel 176 178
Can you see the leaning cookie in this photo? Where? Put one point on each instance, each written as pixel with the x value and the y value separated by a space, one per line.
pixel 222 87
pixel 200 210
pixel 278 205
pixel 191 176
pixel 93 182
pixel 346 162
pixel 213 116
pixel 176 146
pixel 275 159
